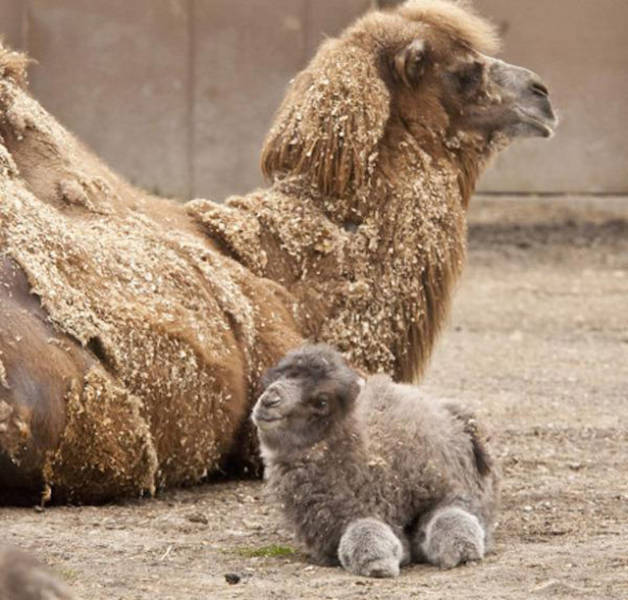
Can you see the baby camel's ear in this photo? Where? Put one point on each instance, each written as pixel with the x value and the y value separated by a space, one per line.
pixel 331 121
pixel 410 62
pixel 352 390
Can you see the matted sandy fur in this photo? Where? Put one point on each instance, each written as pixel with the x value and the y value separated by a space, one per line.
pixel 134 329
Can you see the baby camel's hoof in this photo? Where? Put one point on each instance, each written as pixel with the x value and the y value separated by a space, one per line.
pixel 460 551
pixel 452 537
pixel 381 568
pixel 369 547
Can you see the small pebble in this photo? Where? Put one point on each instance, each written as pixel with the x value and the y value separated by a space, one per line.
pixel 198 518
pixel 232 578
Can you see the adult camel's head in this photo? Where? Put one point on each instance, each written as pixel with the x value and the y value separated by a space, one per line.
pixel 424 68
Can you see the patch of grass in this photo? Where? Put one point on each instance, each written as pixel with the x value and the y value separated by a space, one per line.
pixel 67 574
pixel 272 551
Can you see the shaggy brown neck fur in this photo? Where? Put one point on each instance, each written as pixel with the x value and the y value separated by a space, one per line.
pixel 372 270
pixel 364 224
pixel 403 258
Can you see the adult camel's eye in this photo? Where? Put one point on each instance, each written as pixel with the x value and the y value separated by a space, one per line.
pixel 470 76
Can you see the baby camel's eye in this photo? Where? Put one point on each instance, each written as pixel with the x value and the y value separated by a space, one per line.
pixel 292 373
pixel 320 402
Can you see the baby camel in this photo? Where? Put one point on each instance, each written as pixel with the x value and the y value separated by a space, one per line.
pixel 372 474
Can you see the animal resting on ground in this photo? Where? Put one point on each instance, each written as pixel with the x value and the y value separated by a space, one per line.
pixel 134 329
pixel 373 475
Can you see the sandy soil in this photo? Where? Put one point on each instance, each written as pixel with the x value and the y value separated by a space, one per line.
pixel 537 344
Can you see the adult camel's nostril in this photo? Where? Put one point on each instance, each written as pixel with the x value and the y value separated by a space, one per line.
pixel 538 89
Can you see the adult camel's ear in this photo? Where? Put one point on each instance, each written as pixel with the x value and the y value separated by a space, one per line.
pixel 410 62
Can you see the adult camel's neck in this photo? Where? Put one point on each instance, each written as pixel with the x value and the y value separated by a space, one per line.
pixel 407 252
pixel 371 272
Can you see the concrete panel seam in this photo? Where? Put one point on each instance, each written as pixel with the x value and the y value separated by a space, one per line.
pixel 191 100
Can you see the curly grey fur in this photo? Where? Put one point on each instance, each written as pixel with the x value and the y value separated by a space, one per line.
pixel 369 547
pixel 451 536
pixel 374 475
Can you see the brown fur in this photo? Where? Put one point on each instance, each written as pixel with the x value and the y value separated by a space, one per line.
pixel 351 146
pixel 13 66
pixel 129 344
pixel 150 322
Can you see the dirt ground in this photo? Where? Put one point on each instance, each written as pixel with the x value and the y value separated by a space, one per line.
pixel 537 343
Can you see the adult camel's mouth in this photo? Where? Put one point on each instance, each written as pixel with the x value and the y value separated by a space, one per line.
pixel 544 125
pixel 525 109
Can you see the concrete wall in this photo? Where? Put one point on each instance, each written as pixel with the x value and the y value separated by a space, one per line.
pixel 178 94
pixel 580 48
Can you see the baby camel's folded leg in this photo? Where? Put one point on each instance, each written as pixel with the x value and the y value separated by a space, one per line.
pixel 451 536
pixel 369 547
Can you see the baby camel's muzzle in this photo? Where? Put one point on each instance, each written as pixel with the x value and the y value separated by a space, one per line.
pixel 272 404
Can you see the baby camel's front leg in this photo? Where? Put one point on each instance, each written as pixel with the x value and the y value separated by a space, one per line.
pixel 370 547
pixel 449 537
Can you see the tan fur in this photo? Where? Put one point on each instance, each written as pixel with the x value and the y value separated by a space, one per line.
pixel 130 364
pixel 458 19
pixel 13 66
pixel 324 129
pixel 149 323
pixel 338 153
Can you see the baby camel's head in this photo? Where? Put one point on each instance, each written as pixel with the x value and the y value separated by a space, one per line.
pixel 309 391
